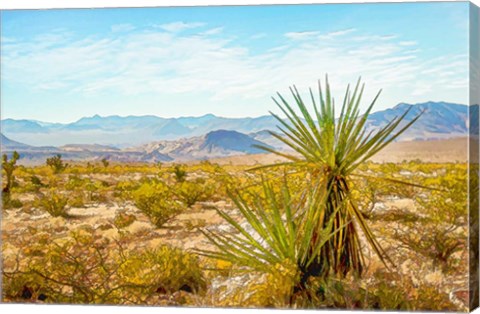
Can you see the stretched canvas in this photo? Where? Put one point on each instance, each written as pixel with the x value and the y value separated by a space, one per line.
pixel 309 156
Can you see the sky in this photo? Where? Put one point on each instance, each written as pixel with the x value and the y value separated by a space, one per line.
pixel 61 65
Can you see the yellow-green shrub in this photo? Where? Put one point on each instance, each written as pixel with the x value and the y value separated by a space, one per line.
pixel 123 220
pixel 53 203
pixel 191 192
pixel 76 200
pixel 124 189
pixel 165 270
pixel 155 200
pixel 75 182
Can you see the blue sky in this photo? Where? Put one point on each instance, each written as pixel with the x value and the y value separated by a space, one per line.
pixel 61 65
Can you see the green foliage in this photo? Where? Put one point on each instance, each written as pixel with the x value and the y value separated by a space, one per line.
pixel 63 271
pixel 56 163
pixel 164 269
pixel 105 162
pixel 123 220
pixel 191 192
pixel 195 224
pixel 14 203
pixel 180 173
pixel 281 238
pixel 36 183
pixel 8 166
pixel 76 200
pixel 155 200
pixel 124 189
pixel 84 268
pixel 438 234
pixel 75 183
pixel 53 203
pixel 330 150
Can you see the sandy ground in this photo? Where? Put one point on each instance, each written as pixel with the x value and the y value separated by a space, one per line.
pixel 449 150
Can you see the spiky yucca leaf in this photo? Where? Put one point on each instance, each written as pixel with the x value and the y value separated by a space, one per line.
pixel 331 149
pixel 275 235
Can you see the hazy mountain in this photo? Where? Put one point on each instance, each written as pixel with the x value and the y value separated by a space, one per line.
pixel 8 144
pixel 12 126
pixel 265 137
pixel 88 148
pixel 230 141
pixel 439 120
pixel 220 143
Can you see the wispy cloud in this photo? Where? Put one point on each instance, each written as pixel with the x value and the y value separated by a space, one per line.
pixel 173 63
pixel 338 33
pixel 408 43
pixel 369 37
pixel 213 31
pixel 301 35
pixel 122 28
pixel 5 39
pixel 179 26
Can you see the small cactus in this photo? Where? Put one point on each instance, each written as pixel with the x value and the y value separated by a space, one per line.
pixel 56 163
pixel 105 162
pixel 9 166
pixel 180 173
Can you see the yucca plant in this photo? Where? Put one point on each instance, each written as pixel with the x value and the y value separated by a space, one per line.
pixel 278 235
pixel 330 149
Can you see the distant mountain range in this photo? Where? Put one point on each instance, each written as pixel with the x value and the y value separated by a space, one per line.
pixel 439 120
pixel 215 144
pixel 127 131
pixel 7 143
pixel 220 143
pixel 151 138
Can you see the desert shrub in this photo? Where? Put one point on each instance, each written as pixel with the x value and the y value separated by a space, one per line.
pixel 36 183
pixel 155 200
pixel 394 291
pixel 91 188
pixel 384 291
pixel 53 181
pixel 75 182
pixel 192 192
pixel 76 200
pixel 179 173
pixel 76 269
pixel 163 270
pixel 53 203
pixel 14 203
pixel 105 163
pixel 436 242
pixel 8 167
pixel 56 163
pixel 123 220
pixel 97 191
pixel 124 189
pixel 367 194
pixel 427 297
pixel 441 230
pixel 343 294
pixel 195 224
